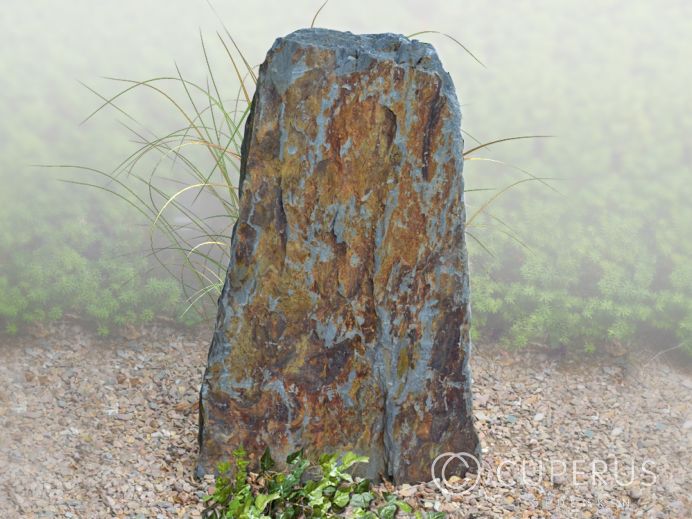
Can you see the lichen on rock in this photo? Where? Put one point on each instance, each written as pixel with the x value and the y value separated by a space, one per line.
pixel 343 323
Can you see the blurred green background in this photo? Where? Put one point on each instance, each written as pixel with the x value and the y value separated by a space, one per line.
pixel 605 262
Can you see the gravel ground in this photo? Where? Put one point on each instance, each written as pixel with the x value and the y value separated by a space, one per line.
pixel 92 428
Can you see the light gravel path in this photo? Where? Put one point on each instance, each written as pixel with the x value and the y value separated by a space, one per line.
pixel 95 428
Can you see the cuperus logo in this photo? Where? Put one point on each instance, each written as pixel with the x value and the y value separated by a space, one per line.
pixel 456 472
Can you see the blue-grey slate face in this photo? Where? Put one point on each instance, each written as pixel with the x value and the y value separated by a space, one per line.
pixel 343 323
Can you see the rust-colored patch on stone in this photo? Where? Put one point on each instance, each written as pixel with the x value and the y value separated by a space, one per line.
pixel 343 322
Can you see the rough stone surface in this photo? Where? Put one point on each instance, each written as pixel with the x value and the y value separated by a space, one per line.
pixel 343 323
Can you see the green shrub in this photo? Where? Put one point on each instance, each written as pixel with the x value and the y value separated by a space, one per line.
pixel 76 269
pixel 602 278
pixel 303 490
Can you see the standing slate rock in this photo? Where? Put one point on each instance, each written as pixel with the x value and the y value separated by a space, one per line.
pixel 344 320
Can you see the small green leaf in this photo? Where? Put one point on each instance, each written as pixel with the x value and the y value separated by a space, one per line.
pixel 351 458
pixel 341 498
pixel 388 511
pixel 310 486
pixel 362 486
pixel 266 461
pixel 361 500
pixel 262 500
pixel 288 513
pixel 295 456
pixel 239 453
pixel 315 498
